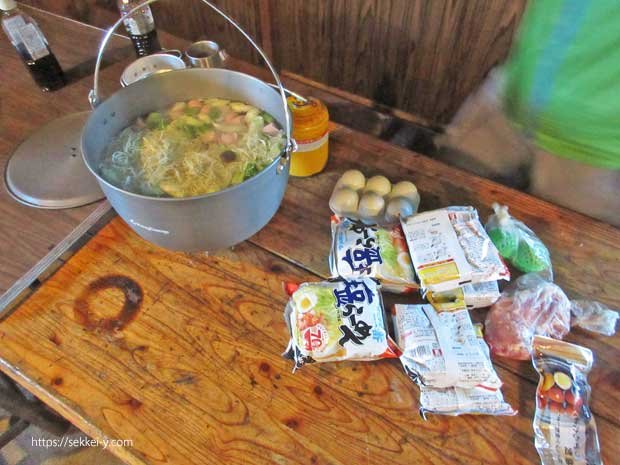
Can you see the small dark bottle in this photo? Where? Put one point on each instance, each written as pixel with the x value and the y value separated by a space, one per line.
pixel 31 44
pixel 140 27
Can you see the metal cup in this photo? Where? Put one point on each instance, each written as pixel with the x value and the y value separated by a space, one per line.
pixel 206 54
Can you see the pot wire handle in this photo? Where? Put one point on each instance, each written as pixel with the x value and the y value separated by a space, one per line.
pixel 93 96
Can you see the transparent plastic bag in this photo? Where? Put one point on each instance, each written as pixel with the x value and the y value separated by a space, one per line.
pixel 516 242
pixel 530 306
pixel 594 316
pixel 564 427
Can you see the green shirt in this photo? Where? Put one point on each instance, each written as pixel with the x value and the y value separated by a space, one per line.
pixel 563 79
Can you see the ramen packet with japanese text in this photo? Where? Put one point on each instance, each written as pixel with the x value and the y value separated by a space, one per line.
pixel 442 349
pixel 360 250
pixel 449 248
pixel 446 356
pixel 337 320
pixel 564 427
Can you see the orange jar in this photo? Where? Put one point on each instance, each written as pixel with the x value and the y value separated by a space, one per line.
pixel 310 123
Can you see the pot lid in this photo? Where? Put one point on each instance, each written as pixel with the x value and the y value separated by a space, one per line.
pixel 47 169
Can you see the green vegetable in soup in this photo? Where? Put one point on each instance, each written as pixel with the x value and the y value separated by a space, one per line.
pixel 156 120
pixel 267 117
pixel 214 113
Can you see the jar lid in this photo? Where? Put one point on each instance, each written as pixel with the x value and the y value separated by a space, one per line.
pixel 310 118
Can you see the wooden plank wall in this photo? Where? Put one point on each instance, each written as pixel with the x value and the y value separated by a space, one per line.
pixel 422 56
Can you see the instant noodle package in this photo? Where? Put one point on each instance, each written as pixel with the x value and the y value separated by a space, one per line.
pixel 337 320
pixel 459 401
pixel 372 251
pixel 442 349
pixel 445 354
pixel 450 248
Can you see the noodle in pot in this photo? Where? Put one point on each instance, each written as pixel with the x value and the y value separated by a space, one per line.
pixel 192 148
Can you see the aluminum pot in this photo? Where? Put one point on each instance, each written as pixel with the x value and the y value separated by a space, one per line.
pixel 202 223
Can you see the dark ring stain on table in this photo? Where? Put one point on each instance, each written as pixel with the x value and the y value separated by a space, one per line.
pixel 133 300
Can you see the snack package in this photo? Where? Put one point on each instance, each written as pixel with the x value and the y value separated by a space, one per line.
pixel 593 316
pixel 477 295
pixel 450 248
pixel 564 428
pixel 459 401
pixel 361 250
pixel 337 320
pixel 442 349
pixel 516 242
pixel 529 306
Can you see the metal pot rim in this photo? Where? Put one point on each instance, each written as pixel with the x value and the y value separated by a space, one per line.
pixel 275 161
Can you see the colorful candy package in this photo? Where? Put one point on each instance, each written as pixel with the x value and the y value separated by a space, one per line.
pixel 360 250
pixel 337 320
pixel 564 428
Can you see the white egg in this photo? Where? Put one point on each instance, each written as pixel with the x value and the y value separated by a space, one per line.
pixel 379 185
pixel 405 189
pixel 371 205
pixel 353 179
pixel 398 207
pixel 344 201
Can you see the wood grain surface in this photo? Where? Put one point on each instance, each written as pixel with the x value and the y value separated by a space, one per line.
pixel 196 376
pixel 421 56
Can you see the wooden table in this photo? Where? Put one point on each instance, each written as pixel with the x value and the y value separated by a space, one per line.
pixel 193 373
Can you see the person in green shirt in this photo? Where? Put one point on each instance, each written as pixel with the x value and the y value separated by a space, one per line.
pixel 559 91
